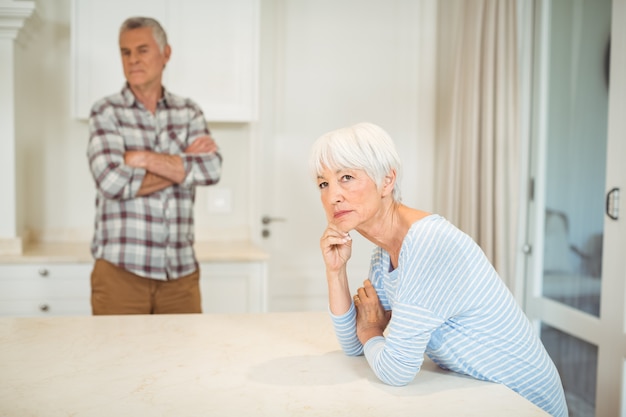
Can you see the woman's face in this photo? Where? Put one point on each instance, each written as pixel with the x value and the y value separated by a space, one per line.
pixel 349 196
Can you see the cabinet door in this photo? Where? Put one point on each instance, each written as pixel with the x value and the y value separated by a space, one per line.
pixel 215 55
pixel 39 289
pixel 237 287
pixel 214 52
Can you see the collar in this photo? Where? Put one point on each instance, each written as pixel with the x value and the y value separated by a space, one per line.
pixel 131 101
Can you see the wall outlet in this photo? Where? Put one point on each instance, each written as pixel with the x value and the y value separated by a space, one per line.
pixel 220 200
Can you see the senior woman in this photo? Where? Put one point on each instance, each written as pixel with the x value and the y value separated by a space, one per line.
pixel 447 300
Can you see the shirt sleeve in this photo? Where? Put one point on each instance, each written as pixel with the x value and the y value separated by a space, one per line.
pixel 105 152
pixel 345 324
pixel 200 169
pixel 345 330
pixel 398 357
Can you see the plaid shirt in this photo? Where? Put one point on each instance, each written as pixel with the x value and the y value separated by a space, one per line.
pixel 151 236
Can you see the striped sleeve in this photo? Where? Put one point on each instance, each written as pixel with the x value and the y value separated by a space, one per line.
pixel 345 330
pixel 397 358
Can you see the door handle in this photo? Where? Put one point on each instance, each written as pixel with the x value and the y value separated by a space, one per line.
pixel 268 219
pixel 612 203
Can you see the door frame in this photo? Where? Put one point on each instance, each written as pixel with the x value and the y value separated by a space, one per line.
pixel 607 331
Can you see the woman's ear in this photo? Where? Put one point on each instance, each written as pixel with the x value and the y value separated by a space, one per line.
pixel 389 182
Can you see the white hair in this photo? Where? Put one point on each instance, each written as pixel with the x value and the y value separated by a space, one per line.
pixel 363 146
pixel 138 22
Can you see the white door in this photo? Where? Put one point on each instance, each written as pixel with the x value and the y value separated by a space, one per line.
pixel 576 251
pixel 325 65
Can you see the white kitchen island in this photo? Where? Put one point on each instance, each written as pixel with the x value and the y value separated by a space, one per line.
pixel 271 364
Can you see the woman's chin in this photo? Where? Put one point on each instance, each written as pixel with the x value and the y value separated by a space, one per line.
pixel 346 228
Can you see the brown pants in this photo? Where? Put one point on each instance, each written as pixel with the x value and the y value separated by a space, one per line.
pixel 117 291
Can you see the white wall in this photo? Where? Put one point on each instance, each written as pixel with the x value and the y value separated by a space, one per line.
pixel 56 192
pixel 326 65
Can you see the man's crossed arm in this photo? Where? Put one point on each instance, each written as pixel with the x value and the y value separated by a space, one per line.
pixel 164 170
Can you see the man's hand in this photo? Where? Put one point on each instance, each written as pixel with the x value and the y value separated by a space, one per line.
pixel 169 167
pixel 141 159
pixel 203 144
pixel 371 318
pixel 137 159
pixel 164 170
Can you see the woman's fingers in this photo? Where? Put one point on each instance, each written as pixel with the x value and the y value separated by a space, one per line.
pixel 336 247
pixel 335 237
pixel 367 290
pixel 334 240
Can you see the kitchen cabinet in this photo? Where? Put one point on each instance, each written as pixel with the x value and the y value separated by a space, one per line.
pixel 214 52
pixel 45 289
pixel 53 279
pixel 64 289
pixel 233 287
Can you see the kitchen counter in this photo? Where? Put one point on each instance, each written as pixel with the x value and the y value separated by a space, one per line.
pixel 79 252
pixel 272 364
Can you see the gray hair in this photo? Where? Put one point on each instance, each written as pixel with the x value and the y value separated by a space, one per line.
pixel 139 22
pixel 364 146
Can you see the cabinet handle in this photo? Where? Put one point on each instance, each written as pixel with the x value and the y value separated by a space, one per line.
pixel 43 272
pixel 44 307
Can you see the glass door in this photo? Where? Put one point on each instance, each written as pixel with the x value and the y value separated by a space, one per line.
pixel 574 265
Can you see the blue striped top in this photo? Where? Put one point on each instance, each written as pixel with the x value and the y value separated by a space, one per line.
pixel 448 301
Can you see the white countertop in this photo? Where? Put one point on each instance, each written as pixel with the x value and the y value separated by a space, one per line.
pixel 273 364
pixel 79 252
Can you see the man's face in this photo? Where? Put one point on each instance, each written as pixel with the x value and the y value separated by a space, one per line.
pixel 142 59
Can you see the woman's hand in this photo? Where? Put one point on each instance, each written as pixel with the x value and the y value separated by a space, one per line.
pixel 371 317
pixel 336 248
